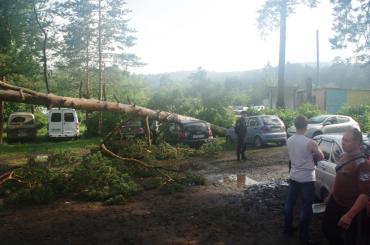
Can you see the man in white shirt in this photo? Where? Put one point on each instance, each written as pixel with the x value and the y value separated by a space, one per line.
pixel 302 152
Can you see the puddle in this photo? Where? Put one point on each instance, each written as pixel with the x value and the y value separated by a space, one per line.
pixel 240 180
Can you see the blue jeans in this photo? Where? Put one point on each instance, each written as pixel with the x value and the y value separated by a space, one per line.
pixel 306 190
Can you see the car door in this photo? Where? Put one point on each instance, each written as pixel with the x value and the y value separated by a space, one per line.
pixel 252 129
pixel 344 123
pixel 330 125
pixel 69 123
pixel 325 169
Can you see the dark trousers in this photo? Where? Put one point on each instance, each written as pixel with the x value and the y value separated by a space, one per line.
pixel 306 190
pixel 334 234
pixel 240 148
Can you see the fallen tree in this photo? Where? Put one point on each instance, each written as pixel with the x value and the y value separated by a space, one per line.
pixel 13 93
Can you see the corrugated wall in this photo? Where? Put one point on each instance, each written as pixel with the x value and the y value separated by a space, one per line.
pixel 358 97
pixel 335 99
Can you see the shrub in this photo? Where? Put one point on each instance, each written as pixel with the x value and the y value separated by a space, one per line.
pixel 36 186
pixel 210 149
pixel 360 113
pixel 95 179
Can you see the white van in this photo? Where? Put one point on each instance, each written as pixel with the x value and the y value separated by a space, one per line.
pixel 63 123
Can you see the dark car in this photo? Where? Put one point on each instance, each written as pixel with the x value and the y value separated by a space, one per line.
pixel 133 128
pixel 21 126
pixel 261 129
pixel 189 132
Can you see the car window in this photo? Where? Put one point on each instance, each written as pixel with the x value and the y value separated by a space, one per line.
pixel 271 120
pixel 332 120
pixel 17 120
pixel 342 119
pixel 317 120
pixel 194 127
pixel 252 122
pixel 56 117
pixel 68 117
pixel 326 147
pixel 174 128
pixel 337 152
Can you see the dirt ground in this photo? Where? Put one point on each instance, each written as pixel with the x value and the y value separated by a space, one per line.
pixel 227 210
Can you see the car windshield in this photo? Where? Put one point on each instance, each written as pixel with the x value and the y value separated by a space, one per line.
pixel 271 120
pixel 193 127
pixel 317 120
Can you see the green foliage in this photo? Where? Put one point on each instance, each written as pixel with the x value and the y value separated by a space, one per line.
pixel 309 110
pixel 210 149
pixel 37 186
pixel 351 26
pixel 96 179
pixel 360 113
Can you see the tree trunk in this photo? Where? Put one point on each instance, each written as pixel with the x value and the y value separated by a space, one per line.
pixel 100 125
pixel 281 77
pixel 1 121
pixel 44 59
pixel 23 95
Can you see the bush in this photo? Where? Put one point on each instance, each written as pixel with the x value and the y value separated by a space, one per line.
pixel 37 186
pixel 210 149
pixel 360 113
pixel 95 179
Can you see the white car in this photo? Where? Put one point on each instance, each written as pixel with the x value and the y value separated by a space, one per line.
pixel 331 146
pixel 327 124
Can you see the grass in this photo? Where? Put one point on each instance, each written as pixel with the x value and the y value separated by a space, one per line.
pixel 18 153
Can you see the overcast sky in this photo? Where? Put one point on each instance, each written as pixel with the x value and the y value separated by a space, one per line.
pixel 222 35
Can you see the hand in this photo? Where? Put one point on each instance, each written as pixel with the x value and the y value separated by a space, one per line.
pixel 345 221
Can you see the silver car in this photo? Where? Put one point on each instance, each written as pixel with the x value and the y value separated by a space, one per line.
pixel 327 124
pixel 261 129
pixel 331 146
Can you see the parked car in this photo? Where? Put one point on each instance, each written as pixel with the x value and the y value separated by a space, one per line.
pixel 331 146
pixel 21 126
pixel 189 132
pixel 63 123
pixel 239 109
pixel 325 124
pixel 261 129
pixel 133 128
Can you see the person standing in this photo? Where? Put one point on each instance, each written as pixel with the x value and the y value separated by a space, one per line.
pixel 302 151
pixel 241 132
pixel 350 193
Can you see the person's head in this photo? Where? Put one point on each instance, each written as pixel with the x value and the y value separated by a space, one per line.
pixel 300 123
pixel 352 140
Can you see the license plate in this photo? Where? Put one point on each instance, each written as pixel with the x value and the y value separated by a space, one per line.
pixel 198 136
pixel 275 129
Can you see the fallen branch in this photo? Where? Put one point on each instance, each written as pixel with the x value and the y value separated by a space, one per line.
pixel 9 176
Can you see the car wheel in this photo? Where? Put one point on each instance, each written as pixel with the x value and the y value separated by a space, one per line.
pixel 229 139
pixel 258 142
pixel 316 133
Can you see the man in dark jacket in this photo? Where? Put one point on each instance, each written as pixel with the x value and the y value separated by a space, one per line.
pixel 241 132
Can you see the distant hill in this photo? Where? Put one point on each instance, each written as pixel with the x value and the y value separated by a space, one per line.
pixel 340 75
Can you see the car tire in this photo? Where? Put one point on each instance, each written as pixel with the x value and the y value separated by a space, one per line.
pixel 316 133
pixel 229 139
pixel 258 142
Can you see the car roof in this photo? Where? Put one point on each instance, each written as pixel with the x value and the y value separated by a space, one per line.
pixel 21 114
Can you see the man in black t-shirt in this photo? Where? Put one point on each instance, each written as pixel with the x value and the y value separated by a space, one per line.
pixel 241 132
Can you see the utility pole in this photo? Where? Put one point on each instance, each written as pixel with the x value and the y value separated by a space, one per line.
pixel 317 59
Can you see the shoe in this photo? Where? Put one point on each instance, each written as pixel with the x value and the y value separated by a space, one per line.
pixel 309 242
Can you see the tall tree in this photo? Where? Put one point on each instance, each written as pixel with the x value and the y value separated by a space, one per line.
pixel 352 26
pixel 273 14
